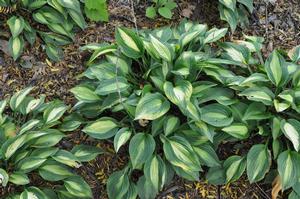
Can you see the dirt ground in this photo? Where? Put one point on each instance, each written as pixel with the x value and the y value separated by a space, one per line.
pixel 277 21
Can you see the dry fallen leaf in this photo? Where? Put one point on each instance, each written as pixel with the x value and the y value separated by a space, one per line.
pixel 187 12
pixel 4 46
pixel 276 187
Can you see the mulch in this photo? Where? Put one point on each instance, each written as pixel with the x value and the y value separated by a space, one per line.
pixel 277 21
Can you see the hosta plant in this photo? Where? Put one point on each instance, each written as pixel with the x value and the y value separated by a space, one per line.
pixel 30 131
pixel 171 97
pixel 54 21
pixel 235 12
pixel 162 7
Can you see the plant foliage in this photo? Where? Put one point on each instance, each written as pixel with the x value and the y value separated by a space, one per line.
pixel 235 12
pixel 61 17
pixel 173 96
pixel 29 134
pixel 162 7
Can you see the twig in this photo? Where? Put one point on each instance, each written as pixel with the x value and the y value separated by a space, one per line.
pixel 133 15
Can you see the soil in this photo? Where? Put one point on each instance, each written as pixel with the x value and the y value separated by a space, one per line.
pixel 277 21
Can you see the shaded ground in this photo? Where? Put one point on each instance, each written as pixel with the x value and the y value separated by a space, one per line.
pixel 279 23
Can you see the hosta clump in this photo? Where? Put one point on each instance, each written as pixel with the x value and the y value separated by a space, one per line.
pixel 29 134
pixel 235 12
pixel 61 18
pixel 171 98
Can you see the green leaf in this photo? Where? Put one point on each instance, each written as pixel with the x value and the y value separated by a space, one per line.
pixel 19 178
pixel 237 130
pixel 130 43
pixel 103 128
pixel 66 158
pixel 71 4
pixel 85 94
pixel 16 45
pixel 141 147
pixel 179 94
pixel 151 12
pixel 96 10
pixel 294 54
pixel 86 153
pixel 78 187
pixel 216 115
pixel 16 25
pixel 3 177
pixel 180 153
pixel 256 111
pixel 171 124
pixel 259 94
pixel 214 35
pixel 151 106
pixel 234 167
pixel 276 69
pixel 288 167
pixel 291 129
pixel 12 145
pixel 54 112
pixel 155 171
pixel 165 12
pixel 117 184
pixel 78 18
pixel 248 4
pixel 54 52
pixel 30 163
pixel 54 171
pixel 231 4
pixel 161 49
pixel 32 192
pixel 122 136
pixel 145 189
pixel 258 162
pixel 118 84
pixel 207 155
pixel 228 15
pixel 18 98
pixel 206 130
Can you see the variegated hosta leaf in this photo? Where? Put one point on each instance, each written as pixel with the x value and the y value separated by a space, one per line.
pixel 130 43
pixel 156 172
pixel 121 137
pixel 162 50
pixel 276 69
pixel 54 171
pixel 19 178
pixel 85 94
pixel 16 25
pixel 85 153
pixel 19 97
pixel 258 162
pixel 288 167
pixel 54 112
pixel 32 193
pixel 259 94
pixel 117 184
pixel 66 158
pixel 291 129
pixel 216 115
pixel 294 54
pixel 214 35
pixel 151 106
pixel 180 153
pixel 3 177
pixel 102 129
pixel 179 94
pixel 78 187
pixel 12 145
pixel 234 167
pixel 141 147
pixel 237 130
